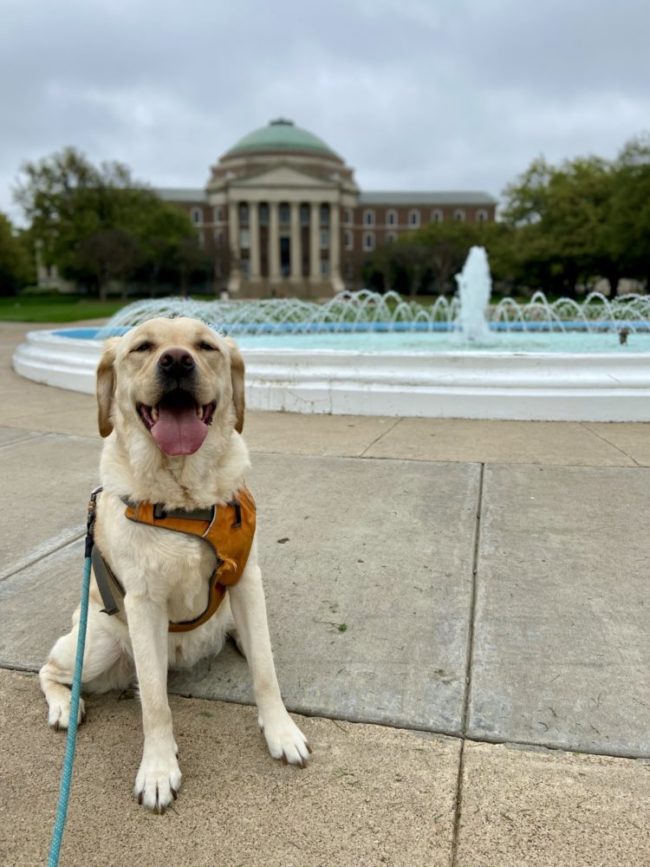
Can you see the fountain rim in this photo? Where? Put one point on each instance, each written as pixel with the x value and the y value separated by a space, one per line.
pixel 514 385
pixel 63 337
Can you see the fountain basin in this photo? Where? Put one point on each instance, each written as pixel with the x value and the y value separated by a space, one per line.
pixel 434 382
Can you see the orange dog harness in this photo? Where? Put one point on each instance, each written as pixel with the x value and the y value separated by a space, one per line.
pixel 228 529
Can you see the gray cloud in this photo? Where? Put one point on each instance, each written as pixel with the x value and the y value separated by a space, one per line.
pixel 412 93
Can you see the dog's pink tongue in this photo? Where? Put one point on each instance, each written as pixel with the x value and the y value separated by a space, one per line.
pixel 179 431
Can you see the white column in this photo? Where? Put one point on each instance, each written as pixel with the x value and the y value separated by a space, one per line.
pixel 233 241
pixel 314 237
pixel 254 229
pixel 296 246
pixel 274 242
pixel 335 248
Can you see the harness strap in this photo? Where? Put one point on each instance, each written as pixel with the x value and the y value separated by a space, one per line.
pixel 107 581
pixel 159 512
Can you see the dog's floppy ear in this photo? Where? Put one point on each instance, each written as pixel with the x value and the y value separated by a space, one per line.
pixel 106 386
pixel 237 376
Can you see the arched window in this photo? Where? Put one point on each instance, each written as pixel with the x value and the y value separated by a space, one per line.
pixel 459 215
pixel 347 216
pixel 197 216
pixel 437 216
pixel 217 214
pixel 482 216
pixel 414 218
pixel 368 241
pixel 391 217
pixel 368 217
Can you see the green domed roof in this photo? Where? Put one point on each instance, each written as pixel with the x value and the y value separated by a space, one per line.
pixel 281 135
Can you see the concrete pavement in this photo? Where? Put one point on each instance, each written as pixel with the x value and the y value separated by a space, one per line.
pixel 480 595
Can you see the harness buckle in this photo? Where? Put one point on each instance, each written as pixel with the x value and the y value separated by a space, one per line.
pixel 159 512
pixel 237 507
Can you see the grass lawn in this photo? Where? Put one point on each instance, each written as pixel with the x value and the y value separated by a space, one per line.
pixel 56 308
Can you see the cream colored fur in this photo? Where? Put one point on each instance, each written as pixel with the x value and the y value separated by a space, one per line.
pixel 165 574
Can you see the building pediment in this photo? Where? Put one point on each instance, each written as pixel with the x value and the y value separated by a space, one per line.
pixel 285 177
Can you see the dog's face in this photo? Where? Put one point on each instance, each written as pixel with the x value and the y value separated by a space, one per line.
pixel 173 377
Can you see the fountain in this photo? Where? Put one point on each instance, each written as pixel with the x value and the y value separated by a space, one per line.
pixel 371 354
pixel 474 290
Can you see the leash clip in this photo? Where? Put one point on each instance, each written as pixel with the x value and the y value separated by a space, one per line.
pixel 90 521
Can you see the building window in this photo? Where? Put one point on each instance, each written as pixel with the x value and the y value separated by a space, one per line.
pixel 482 216
pixel 244 267
pixel 285 214
pixel 437 216
pixel 325 215
pixel 391 237
pixel 348 240
pixel 324 239
pixel 459 215
pixel 197 216
pixel 244 238
pixel 369 241
pixel 414 219
pixel 304 215
pixel 347 216
pixel 391 218
pixel 264 214
pixel 217 214
pixel 324 267
pixel 243 213
pixel 368 217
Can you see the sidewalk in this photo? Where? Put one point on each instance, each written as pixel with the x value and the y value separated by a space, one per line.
pixel 467 640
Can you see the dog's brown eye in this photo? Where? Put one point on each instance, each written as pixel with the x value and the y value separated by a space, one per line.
pixel 142 347
pixel 207 347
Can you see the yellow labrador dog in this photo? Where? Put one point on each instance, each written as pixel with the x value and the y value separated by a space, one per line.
pixel 171 407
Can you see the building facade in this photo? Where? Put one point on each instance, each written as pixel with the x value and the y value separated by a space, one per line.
pixel 283 215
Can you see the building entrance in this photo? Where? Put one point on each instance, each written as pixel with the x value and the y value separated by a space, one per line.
pixel 285 256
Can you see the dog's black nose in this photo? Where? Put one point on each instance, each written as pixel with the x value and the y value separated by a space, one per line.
pixel 176 363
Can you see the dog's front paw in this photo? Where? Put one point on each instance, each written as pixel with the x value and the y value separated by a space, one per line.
pixel 285 740
pixel 58 714
pixel 158 779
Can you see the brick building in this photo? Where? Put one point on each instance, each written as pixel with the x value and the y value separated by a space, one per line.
pixel 282 214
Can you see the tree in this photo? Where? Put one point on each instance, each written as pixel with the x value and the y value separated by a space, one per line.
pixel 561 217
pixel 16 266
pixel 96 224
pixel 426 260
pixel 629 218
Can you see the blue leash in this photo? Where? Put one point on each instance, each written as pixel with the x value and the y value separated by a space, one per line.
pixel 71 742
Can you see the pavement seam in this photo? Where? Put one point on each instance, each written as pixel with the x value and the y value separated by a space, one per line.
pixel 381 436
pixel 32 435
pixel 552 750
pixel 603 439
pixel 468 674
pixel 64 543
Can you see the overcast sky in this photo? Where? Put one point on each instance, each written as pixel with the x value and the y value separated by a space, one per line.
pixel 413 94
